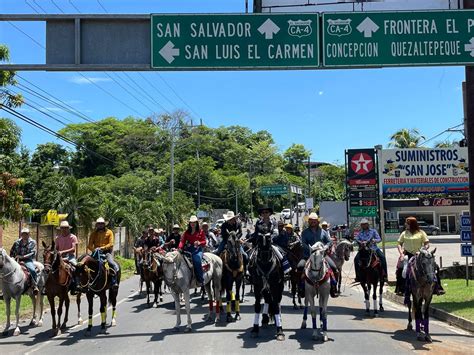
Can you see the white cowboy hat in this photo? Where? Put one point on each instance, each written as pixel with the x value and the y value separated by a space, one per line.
pixel 176 226
pixel 25 230
pixel 100 220
pixel 193 219
pixel 160 230
pixel 64 224
pixel 156 230
pixel 229 215
pixel 325 223
pixel 364 221
pixel 204 224
pixel 313 215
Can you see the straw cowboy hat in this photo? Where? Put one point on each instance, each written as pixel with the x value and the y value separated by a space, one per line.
pixel 100 220
pixel 25 230
pixel 313 215
pixel 193 219
pixel 176 226
pixel 64 224
pixel 324 223
pixel 229 215
pixel 289 226
pixel 364 221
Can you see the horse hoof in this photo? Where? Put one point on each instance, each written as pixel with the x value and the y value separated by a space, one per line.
pixel 301 306
pixel 5 333
pixel 63 326
pixel 33 323
pixel 237 317
pixel 40 323
pixel 420 337
pixel 103 331
pixel 325 338
pixel 428 338
pixel 409 327
pixel 16 332
pixel 280 337
pixel 381 309
pixel 303 325
pixel 188 330
pixel 161 299
pixel 113 323
pixel 79 321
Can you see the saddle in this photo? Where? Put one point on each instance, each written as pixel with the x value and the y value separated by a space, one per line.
pixel 205 263
pixel 28 277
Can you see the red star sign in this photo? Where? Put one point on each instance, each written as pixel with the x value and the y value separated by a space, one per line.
pixel 362 163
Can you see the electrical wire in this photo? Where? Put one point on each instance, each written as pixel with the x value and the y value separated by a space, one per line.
pixel 102 6
pixel 61 10
pixel 439 134
pixel 147 95
pixel 27 35
pixel 74 6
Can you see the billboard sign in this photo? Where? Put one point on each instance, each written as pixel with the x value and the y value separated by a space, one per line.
pixel 424 171
pixel 361 167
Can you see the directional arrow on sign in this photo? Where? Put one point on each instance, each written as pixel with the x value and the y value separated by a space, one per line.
pixel 470 47
pixel 367 27
pixel 269 28
pixel 169 52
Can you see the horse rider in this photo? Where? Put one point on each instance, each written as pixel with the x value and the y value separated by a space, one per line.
pixel 24 250
pixel 311 235
pixel 139 243
pixel 411 240
pixel 369 235
pixel 265 225
pixel 101 240
pixel 282 239
pixel 66 243
pixel 194 240
pixel 172 241
pixel 211 239
pixel 231 224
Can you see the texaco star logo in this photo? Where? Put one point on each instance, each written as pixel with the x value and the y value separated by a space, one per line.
pixel 362 163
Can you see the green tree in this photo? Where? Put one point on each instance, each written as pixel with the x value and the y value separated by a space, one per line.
pixel 7 77
pixel 406 138
pixel 295 156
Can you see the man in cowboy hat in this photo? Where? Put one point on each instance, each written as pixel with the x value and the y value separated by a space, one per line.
pixel 24 250
pixel 66 243
pixel 231 224
pixel 102 240
pixel 283 238
pixel 311 235
pixel 172 241
pixel 210 236
pixel 369 235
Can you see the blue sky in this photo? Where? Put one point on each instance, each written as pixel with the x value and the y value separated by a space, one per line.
pixel 326 110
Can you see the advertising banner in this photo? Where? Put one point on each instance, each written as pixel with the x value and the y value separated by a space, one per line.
pixel 424 171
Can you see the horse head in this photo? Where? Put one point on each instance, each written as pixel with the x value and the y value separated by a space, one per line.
pixel 317 267
pixel 425 265
pixel 2 257
pixel 49 256
pixel 344 249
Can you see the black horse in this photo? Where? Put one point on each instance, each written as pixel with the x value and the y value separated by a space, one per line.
pixel 233 271
pixel 371 275
pixel 268 282
pixel 95 279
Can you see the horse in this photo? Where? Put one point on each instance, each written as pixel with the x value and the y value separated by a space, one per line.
pixel 294 255
pixel 94 279
pixel 246 277
pixel 14 283
pixel 421 283
pixel 341 254
pixel 178 276
pixel 233 271
pixel 138 253
pixel 58 282
pixel 371 275
pixel 317 276
pixel 268 281
pixel 152 273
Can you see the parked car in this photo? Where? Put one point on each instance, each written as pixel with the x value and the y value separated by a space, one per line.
pixel 286 213
pixel 429 229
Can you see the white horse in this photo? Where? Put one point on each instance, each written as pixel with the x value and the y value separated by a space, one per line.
pixel 13 282
pixel 180 279
pixel 317 283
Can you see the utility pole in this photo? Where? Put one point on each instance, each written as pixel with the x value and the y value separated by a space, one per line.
pixel 199 181
pixel 469 117
pixel 309 176
pixel 172 166
pixel 236 202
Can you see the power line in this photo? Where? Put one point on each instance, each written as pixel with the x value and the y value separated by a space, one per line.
pixel 149 97
pixel 157 90
pixel 40 7
pixel 27 3
pixel 27 35
pixel 74 6
pixel 61 10
pixel 102 6
pixel 441 133
pixel 128 91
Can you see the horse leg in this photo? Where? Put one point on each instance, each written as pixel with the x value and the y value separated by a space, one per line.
pixel 147 292
pixel 265 316
pixel 366 296
pixel 103 312
pixel 339 280
pixel 34 299
pixel 210 298
pixel 323 304
pixel 238 283
pixel 41 306
pixel 256 321
pixel 60 312
pixel 280 336
pixel 189 327
pixel 113 293
pixel 409 325
pixel 156 291
pixel 17 314
pixel 381 309
pixel 53 315
pixel 305 312
pixel 78 303
pixel 90 301
pixel 315 335
pixel 418 317
pixel 7 310
pixel 160 286
pixel 293 292
pixel 374 298
pixel 177 307
pixel 426 321
pixel 66 314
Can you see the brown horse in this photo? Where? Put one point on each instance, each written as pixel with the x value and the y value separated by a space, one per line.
pixel 59 278
pixel 95 279
pixel 152 273
pixel 294 255
pixel 138 253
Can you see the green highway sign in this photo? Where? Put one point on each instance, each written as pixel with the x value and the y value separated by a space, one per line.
pixel 251 41
pixel 368 39
pixel 363 212
pixel 274 190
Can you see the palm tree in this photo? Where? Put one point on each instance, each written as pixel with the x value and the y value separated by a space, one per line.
pixel 446 144
pixel 406 138
pixel 77 200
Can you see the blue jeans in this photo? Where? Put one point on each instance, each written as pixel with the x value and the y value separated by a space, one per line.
pixel 31 268
pixel 71 258
pixel 196 254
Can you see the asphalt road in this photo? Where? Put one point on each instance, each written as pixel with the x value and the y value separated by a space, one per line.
pixel 149 330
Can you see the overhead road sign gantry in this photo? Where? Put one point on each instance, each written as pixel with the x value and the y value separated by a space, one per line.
pixel 232 42
pixel 375 39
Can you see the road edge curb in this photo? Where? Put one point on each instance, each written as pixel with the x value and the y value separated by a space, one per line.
pixel 437 313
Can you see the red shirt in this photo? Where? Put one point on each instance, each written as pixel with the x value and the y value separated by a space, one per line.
pixel 191 238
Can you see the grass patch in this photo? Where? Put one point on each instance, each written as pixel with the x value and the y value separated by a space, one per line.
pixel 26 309
pixel 390 244
pixel 127 267
pixel 458 300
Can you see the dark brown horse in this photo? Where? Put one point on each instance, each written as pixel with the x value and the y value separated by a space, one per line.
pixel 95 279
pixel 59 278
pixel 152 273
pixel 294 255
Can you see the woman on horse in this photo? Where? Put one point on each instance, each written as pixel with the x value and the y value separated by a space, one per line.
pixel 411 240
pixel 194 240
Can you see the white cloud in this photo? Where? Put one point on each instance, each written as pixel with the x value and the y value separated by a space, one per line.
pixel 88 80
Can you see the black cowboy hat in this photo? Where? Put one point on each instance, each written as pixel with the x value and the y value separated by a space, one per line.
pixel 265 208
